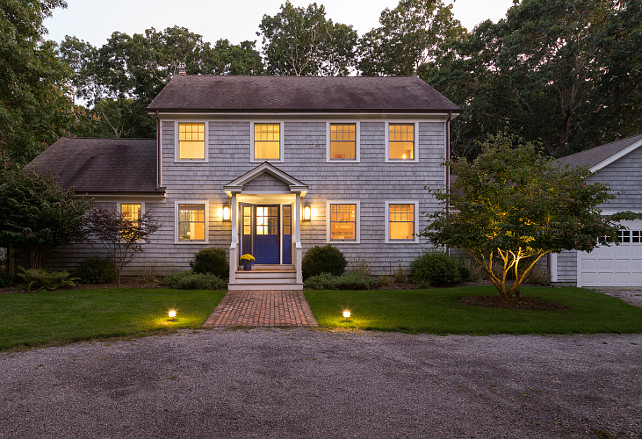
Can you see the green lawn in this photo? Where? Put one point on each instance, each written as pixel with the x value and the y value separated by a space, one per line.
pixel 63 316
pixel 438 311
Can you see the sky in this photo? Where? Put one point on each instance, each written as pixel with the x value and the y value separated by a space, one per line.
pixel 95 20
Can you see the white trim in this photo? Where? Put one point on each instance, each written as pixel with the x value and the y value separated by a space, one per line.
pixel 205 140
pixel 357 204
pixel 206 203
pixel 415 147
pixel 416 231
pixel 553 267
pixel 629 149
pixel 281 151
pixel 312 116
pixel 142 206
pixel 357 141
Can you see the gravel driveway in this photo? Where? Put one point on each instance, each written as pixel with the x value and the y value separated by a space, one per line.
pixel 304 383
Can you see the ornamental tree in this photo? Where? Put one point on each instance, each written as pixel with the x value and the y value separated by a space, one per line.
pixel 119 236
pixel 511 206
pixel 37 214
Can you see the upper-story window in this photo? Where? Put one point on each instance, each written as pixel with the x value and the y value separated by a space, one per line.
pixel 343 142
pixel 267 141
pixel 401 142
pixel 191 141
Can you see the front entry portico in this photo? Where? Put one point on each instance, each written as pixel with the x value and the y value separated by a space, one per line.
pixel 266 223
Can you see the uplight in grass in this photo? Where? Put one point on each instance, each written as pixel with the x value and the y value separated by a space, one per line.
pixel 172 313
pixel 346 314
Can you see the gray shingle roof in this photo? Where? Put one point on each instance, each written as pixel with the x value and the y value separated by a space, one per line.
pixel 300 94
pixel 595 156
pixel 102 165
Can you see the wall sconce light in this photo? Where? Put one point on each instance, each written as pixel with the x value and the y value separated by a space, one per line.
pixel 307 213
pixel 226 212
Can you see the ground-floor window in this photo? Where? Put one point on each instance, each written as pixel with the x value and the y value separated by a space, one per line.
pixel 401 221
pixel 192 224
pixel 131 212
pixel 343 221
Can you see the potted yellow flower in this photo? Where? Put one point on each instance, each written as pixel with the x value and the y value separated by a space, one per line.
pixel 247 260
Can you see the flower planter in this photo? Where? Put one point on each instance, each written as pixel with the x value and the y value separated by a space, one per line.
pixel 247 266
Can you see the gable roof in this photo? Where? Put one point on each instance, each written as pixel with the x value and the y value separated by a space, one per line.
pixel 102 166
pixel 236 185
pixel 600 156
pixel 190 93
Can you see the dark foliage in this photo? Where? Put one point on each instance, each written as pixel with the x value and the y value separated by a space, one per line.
pixel 96 271
pixel 325 259
pixel 435 269
pixel 211 261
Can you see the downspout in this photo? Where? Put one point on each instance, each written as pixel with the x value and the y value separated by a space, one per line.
pixel 158 153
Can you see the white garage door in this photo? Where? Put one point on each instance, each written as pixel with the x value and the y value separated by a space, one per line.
pixel 616 265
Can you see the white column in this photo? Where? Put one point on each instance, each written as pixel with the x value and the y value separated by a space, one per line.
pixel 234 243
pixel 298 251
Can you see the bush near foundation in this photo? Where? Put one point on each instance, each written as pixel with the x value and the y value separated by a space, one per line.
pixel 326 259
pixel 435 269
pixel 96 271
pixel 211 261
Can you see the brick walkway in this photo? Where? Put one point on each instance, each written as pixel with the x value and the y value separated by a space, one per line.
pixel 262 308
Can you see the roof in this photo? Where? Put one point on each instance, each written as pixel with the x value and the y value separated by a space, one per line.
pixel 600 156
pixel 189 93
pixel 102 165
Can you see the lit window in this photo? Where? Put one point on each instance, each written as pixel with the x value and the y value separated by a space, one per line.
pixel 267 220
pixel 191 222
pixel 343 141
pixel 401 141
pixel 401 222
pixel 191 141
pixel 267 141
pixel 343 222
pixel 130 212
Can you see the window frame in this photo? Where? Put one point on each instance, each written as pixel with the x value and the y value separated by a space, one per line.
pixel 253 158
pixel 142 208
pixel 357 204
pixel 415 141
pixel 206 204
pixel 416 221
pixel 177 158
pixel 357 141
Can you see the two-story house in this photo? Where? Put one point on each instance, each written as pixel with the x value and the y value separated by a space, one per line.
pixel 272 166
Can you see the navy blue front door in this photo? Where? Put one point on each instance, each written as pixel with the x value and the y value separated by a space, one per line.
pixel 266 234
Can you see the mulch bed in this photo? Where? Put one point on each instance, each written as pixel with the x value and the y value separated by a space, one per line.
pixel 525 303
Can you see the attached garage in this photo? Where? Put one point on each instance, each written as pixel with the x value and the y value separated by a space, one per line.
pixel 615 265
pixel 618 165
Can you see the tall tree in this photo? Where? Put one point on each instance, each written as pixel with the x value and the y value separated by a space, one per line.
pixel 302 42
pixel 34 109
pixel 119 79
pixel 409 36
pixel 566 72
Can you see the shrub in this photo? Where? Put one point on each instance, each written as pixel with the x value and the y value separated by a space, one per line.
pixel 362 266
pixel 435 269
pixel 352 280
pixel 323 281
pixel 6 280
pixel 96 271
pixel 325 259
pixel 194 281
pixel 211 261
pixel 40 278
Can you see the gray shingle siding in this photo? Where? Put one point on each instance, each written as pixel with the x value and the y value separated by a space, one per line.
pixel 372 182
